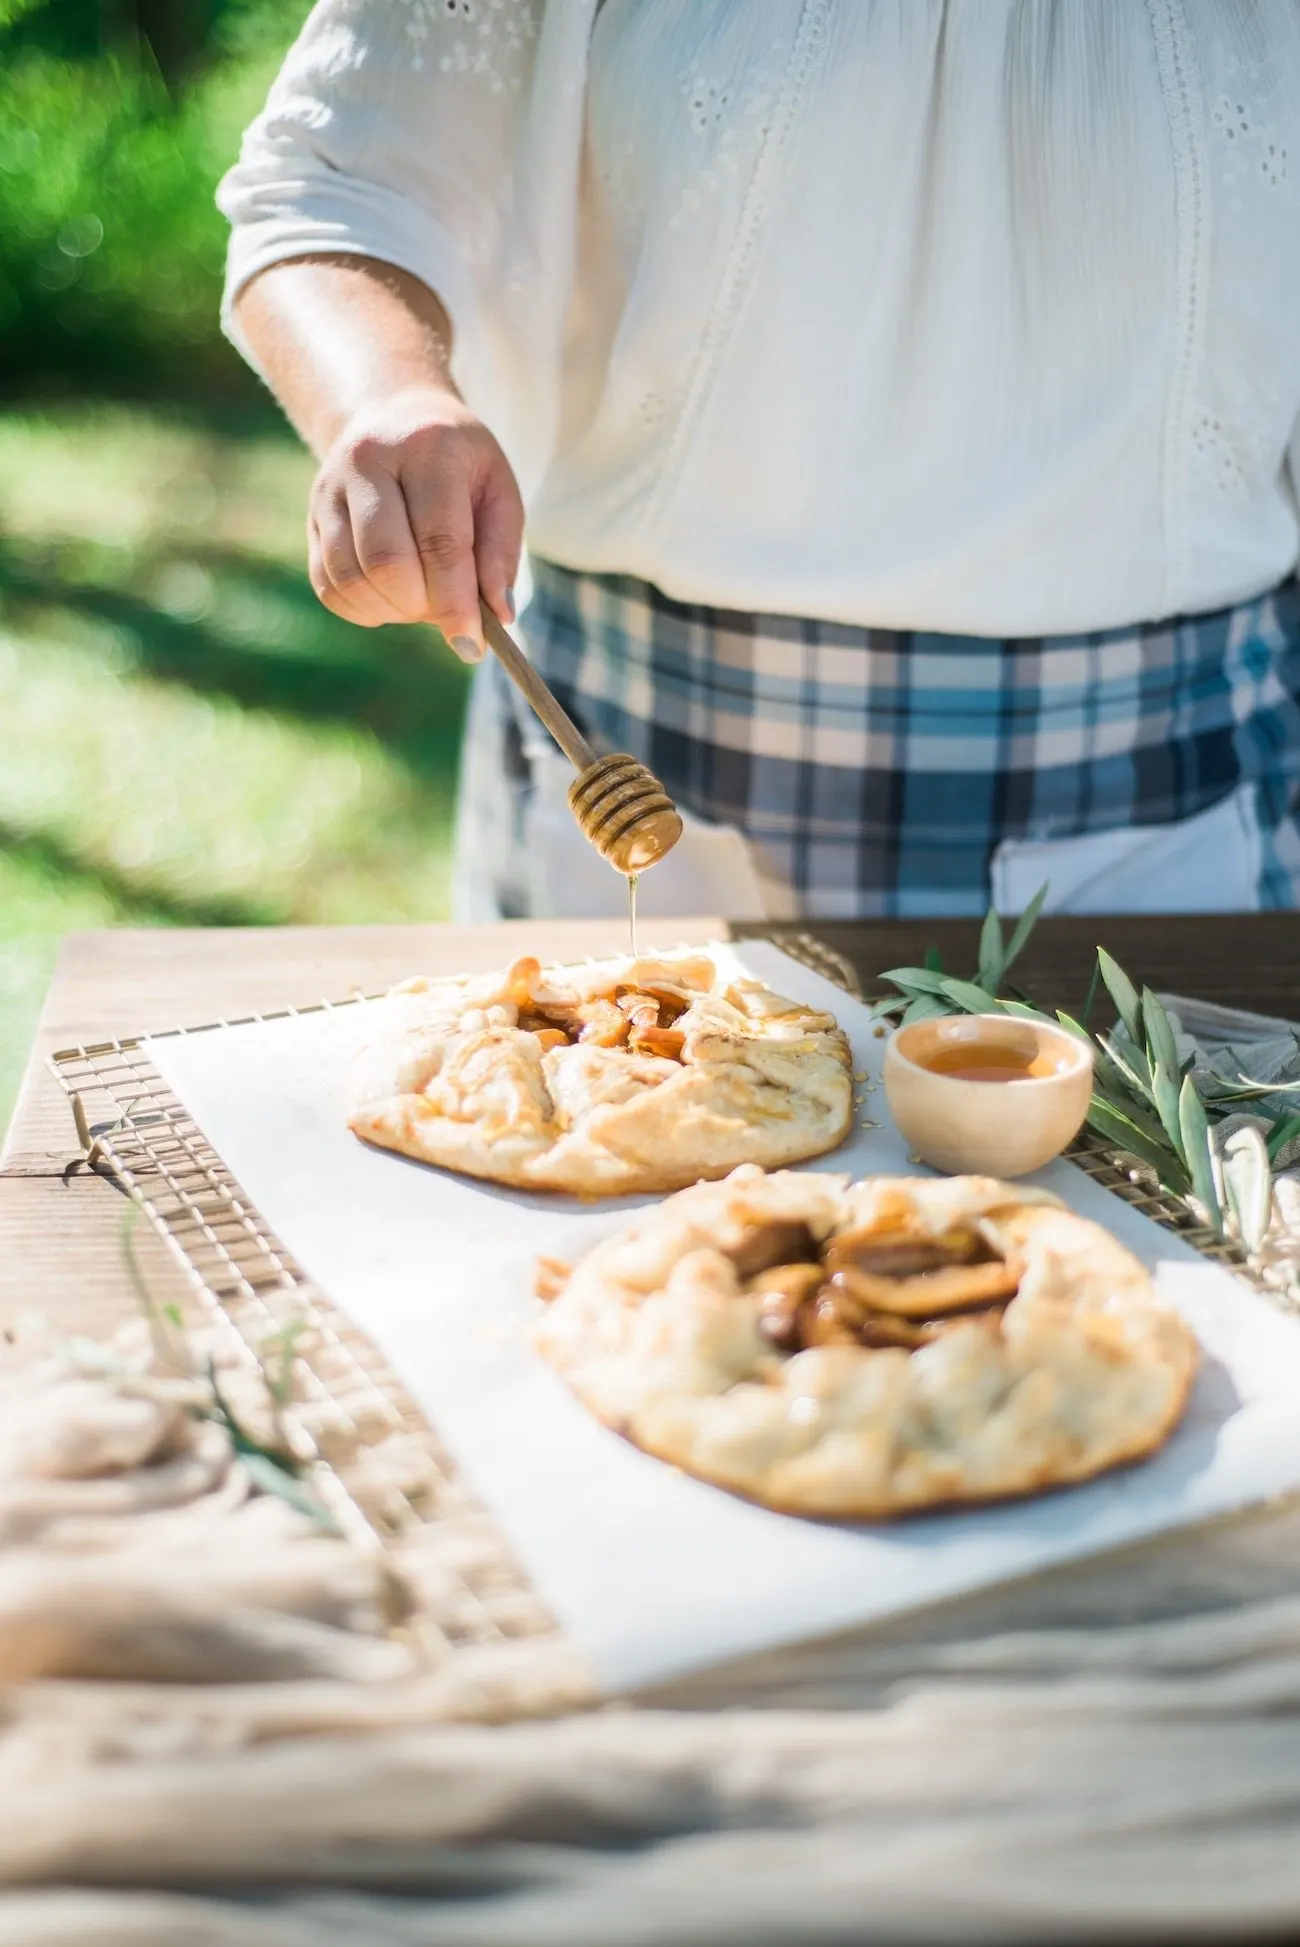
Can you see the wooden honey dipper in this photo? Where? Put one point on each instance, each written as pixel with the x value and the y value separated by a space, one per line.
pixel 619 804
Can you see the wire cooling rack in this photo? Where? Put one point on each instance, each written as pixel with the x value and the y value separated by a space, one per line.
pixel 373 1457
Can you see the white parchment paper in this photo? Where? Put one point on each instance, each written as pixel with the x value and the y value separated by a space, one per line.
pixel 651 1573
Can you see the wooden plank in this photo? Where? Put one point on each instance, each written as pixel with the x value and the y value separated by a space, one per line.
pixel 1238 959
pixel 61 1258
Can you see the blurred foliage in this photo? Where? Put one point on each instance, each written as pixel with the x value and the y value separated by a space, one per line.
pixel 117 117
pixel 186 737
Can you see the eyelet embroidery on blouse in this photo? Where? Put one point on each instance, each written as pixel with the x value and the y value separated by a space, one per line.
pixel 1251 150
pixel 1234 431
pixel 1211 445
pixel 709 102
pixel 491 38
pixel 734 120
pixel 771 123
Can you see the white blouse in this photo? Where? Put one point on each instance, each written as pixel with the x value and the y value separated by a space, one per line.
pixel 979 316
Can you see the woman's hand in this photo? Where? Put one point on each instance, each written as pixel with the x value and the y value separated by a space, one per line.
pixel 414 511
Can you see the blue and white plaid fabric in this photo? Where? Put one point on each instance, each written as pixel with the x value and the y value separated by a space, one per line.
pixel 877 771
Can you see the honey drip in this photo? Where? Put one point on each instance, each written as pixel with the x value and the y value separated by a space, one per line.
pixel 632 879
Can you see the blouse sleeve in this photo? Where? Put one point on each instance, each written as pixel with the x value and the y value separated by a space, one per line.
pixel 442 136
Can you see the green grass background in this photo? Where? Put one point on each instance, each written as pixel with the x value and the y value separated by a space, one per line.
pixel 186 736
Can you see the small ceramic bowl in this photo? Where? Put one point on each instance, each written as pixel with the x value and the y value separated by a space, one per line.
pixel 994 1128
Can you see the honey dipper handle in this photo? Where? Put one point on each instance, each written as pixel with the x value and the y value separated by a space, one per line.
pixel 521 672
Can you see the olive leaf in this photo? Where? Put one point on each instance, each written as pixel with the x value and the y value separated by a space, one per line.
pixel 1106 1076
pixel 281 1348
pixel 1247 1090
pixel 1220 1187
pixel 969 997
pixel 992 955
pixel 916 980
pixel 926 1007
pixel 1248 1181
pixel 1159 1031
pixel 270 1469
pixel 1196 1148
pixel 1165 1092
pixel 894 1005
pixel 1123 993
pixel 1119 1129
pixel 1126 1104
pixel 1133 1066
pixel 1023 928
pixel 979 996
pixel 1091 995
pixel 269 1477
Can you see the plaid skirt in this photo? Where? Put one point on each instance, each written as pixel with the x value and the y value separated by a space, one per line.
pixel 871 772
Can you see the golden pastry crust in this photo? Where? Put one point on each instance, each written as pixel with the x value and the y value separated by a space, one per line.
pixel 620 1077
pixel 771 1380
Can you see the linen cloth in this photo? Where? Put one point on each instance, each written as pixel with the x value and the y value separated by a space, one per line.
pixel 918 313
pixel 866 772
pixel 1104 1752
pixel 1091 1757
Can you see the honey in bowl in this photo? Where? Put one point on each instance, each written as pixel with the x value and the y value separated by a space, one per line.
pixel 989 1061
pixel 937 1076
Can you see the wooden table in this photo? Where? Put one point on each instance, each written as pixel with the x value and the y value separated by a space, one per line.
pixel 59 1254
pixel 59 1236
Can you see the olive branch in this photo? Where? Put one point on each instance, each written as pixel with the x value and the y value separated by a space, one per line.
pixel 1146 1100
pixel 270 1465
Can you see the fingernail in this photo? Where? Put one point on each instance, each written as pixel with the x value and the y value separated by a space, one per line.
pixel 510 604
pixel 467 649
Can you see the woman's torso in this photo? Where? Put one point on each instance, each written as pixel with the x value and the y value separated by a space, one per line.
pixel 968 315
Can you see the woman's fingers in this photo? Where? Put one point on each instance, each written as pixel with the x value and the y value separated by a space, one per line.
pixel 385 547
pixel 438 488
pixel 412 515
pixel 336 574
pixel 498 540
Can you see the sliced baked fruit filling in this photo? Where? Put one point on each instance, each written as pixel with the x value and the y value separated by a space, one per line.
pixel 642 1019
pixel 870 1287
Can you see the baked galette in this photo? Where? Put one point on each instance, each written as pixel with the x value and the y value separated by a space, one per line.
pixel 617 1077
pixel 869 1349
